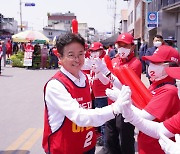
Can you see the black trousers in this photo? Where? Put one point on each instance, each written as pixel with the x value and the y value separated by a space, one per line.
pixel 119 137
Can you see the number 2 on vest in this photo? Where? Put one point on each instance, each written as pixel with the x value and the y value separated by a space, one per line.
pixel 88 140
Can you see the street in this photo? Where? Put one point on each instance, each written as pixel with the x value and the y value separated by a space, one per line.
pixel 21 111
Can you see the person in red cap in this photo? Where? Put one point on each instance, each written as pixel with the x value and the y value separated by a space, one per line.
pixel 162 130
pixel 164 103
pixel 116 127
pixel 97 81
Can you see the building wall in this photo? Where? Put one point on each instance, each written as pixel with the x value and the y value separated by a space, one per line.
pixel 51 33
pixel 169 18
pixel 83 29
pixel 138 19
pixel 60 18
pixel 131 4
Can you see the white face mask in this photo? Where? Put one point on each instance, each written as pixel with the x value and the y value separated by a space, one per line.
pixel 157 71
pixel 157 44
pixel 123 52
pixel 95 55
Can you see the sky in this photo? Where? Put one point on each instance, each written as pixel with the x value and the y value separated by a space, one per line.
pixel 96 13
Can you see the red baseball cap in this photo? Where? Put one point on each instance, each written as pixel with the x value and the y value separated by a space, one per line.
pixel 96 46
pixel 173 72
pixel 162 54
pixel 125 38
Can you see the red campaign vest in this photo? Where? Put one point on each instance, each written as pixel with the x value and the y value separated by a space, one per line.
pixel 69 138
pixel 99 89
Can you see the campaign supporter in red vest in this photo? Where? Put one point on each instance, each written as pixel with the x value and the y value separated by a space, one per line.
pixel 98 87
pixel 68 118
pixel 116 127
pixel 163 105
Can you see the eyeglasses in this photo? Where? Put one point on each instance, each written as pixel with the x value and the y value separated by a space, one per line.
pixel 74 57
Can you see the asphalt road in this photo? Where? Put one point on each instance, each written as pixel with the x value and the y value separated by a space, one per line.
pixel 21 110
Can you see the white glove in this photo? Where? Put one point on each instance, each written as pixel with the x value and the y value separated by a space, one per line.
pixel 99 66
pixel 113 93
pixel 168 145
pixel 127 111
pixel 123 97
pixel 104 79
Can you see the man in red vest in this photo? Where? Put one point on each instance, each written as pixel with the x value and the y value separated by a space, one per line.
pixel 120 135
pixel 69 120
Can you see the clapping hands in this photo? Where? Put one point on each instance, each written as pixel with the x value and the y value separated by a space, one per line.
pixel 124 97
pixel 168 145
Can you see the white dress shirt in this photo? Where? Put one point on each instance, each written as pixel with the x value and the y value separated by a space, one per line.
pixel 60 104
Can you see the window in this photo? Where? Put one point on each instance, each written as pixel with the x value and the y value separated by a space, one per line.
pixel 50 33
pixel 131 18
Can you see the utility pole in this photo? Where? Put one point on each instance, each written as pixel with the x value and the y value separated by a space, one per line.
pixel 114 26
pixel 21 16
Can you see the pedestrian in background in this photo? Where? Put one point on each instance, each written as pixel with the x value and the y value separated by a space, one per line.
pixel 69 119
pixel 171 41
pixel 37 49
pixel 15 47
pixel 142 52
pixel 44 57
pixel 8 48
pixel 157 42
pixel 53 59
pixel 112 52
pixel 4 53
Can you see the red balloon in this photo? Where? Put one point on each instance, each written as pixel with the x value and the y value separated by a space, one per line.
pixel 140 94
pixel 74 26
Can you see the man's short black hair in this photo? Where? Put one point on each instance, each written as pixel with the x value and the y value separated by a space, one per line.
pixel 66 39
pixel 158 36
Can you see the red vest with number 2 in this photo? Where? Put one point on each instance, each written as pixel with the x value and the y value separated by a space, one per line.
pixel 70 138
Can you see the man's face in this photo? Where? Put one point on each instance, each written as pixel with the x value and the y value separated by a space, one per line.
pixel 73 58
pixel 157 42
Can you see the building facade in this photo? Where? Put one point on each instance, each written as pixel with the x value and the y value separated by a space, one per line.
pixel 8 27
pixel 168 19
